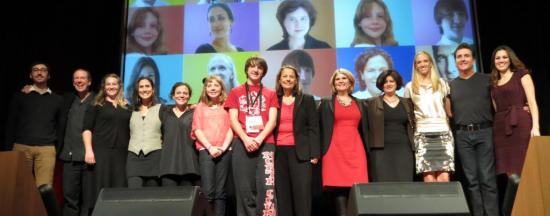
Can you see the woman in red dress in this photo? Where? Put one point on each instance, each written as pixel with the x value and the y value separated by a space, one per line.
pixel 512 90
pixel 343 140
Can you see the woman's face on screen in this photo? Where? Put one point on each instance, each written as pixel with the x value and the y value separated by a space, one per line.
pixel 374 67
pixel 220 24
pixel 147 71
pixel 147 33
pixel 297 23
pixel 374 23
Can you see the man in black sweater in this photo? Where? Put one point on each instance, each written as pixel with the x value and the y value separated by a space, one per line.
pixel 33 125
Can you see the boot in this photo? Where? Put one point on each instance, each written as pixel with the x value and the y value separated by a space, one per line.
pixel 341 205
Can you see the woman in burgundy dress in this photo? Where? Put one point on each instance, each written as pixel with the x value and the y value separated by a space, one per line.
pixel 343 139
pixel 514 125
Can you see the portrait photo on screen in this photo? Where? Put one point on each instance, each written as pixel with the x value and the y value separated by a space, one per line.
pixel 443 22
pixel 296 24
pixel 373 23
pixel 315 66
pixel 154 3
pixel 154 31
pixel 221 27
pixel 217 1
pixel 199 66
pixel 444 60
pixel 164 70
pixel 367 64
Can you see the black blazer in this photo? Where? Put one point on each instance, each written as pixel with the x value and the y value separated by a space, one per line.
pixel 305 127
pixel 326 120
pixel 375 114
pixel 311 43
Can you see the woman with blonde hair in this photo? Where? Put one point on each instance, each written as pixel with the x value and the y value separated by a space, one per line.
pixel 344 148
pixel 433 140
pixel 213 135
pixel 106 134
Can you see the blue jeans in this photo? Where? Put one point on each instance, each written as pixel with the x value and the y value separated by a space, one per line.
pixel 476 152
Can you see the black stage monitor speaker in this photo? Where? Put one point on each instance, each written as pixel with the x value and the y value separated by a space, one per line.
pixel 148 201
pixel 407 198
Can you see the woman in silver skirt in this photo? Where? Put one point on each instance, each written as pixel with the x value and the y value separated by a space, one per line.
pixel 433 140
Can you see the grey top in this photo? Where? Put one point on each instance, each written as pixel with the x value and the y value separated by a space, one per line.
pixel 145 131
pixel 471 99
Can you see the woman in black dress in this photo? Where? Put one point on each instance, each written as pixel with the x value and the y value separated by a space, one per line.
pixel 106 133
pixel 178 162
pixel 391 121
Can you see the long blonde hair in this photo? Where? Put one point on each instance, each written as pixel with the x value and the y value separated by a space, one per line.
pixel 119 99
pixel 416 77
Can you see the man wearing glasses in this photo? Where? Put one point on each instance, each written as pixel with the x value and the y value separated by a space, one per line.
pixel 33 124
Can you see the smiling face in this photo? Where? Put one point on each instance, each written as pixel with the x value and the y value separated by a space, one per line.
pixel 220 24
pixel 341 83
pixel 213 90
pixel 148 32
pixel 288 79
pixel 464 60
pixel 81 81
pixel 502 61
pixel 422 64
pixel 145 89
pixel 297 23
pixel 39 74
pixel 111 87
pixel 181 95
pixel 374 67
pixel 453 24
pixel 390 85
pixel 374 23
pixel 255 74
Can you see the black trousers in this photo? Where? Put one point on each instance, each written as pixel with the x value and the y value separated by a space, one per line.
pixel 476 152
pixel 292 183
pixel 72 187
pixel 254 178
pixel 214 174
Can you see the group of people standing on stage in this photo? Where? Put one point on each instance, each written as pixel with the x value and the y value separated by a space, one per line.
pixel 271 139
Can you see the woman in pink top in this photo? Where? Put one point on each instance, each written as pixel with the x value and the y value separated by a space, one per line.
pixel 213 135
pixel 297 144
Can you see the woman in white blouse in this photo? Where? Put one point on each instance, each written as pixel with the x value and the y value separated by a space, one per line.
pixel 434 149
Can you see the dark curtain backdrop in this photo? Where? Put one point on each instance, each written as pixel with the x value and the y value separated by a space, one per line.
pixel 69 34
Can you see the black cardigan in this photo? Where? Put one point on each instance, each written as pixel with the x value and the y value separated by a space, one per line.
pixel 305 127
pixel 326 120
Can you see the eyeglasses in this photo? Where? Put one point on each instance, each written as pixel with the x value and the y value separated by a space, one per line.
pixel 40 69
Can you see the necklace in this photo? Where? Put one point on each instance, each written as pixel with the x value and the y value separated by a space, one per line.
pixel 344 101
